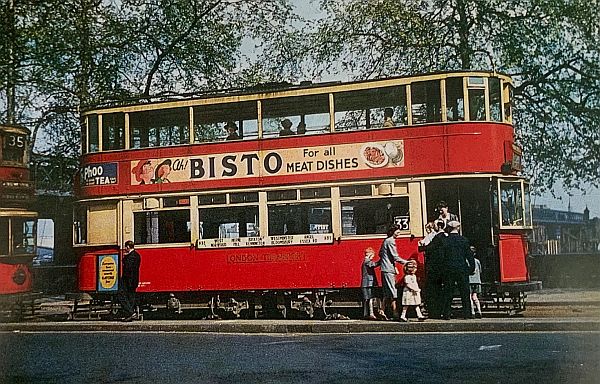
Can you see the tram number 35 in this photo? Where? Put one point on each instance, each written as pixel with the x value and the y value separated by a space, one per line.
pixel 15 141
pixel 403 222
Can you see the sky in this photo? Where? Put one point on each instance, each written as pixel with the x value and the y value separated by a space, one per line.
pixel 589 198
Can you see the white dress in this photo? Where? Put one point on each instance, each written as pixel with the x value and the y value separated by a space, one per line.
pixel 411 294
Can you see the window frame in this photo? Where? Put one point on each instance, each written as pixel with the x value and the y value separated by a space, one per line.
pixel 525 210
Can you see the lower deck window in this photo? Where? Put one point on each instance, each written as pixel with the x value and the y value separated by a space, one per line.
pixel 159 227
pixel 299 219
pixel 373 216
pixel 20 239
pixel 228 222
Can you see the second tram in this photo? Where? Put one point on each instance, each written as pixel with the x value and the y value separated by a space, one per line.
pixel 17 221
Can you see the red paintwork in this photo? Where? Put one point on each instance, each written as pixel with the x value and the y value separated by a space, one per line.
pixel 472 147
pixel 7 271
pixel 293 267
pixel 513 253
pixel 436 149
pixel 14 174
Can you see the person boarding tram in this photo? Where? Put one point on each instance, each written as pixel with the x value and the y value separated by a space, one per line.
pixel 445 215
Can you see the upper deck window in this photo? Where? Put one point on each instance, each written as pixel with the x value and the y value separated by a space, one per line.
pixel 159 128
pixel 93 132
pixel 426 102
pixel 113 131
pixel 455 99
pixel 494 96
pixel 370 108
pixel 232 121
pixel 14 146
pixel 476 89
pixel 295 115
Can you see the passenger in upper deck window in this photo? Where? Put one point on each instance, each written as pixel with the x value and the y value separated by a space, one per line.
pixel 232 131
pixel 287 128
pixel 388 122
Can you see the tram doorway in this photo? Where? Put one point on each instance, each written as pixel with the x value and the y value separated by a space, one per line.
pixel 470 200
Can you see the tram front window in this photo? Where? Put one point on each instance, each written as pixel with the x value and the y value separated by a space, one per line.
pixel 23 236
pixel 511 204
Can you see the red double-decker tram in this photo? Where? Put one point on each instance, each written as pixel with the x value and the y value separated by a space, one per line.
pixel 17 221
pixel 267 198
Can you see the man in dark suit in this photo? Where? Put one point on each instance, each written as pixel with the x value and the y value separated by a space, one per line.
pixel 130 278
pixel 458 265
pixel 434 271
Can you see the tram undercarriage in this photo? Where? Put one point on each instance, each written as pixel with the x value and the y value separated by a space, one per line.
pixel 330 304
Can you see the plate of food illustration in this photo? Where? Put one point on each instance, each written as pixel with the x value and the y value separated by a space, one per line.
pixel 394 152
pixel 374 155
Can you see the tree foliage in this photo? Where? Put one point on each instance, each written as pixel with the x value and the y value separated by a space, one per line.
pixel 550 47
pixel 77 53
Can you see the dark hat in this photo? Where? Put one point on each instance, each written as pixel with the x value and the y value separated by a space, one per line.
pixel 442 204
pixel 231 124
pixel 286 123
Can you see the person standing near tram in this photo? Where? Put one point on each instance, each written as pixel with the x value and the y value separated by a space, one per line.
pixel 130 279
pixel 434 270
pixel 459 263
pixel 445 215
pixel 388 257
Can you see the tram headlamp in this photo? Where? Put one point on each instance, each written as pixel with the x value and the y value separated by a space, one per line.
pixel 19 276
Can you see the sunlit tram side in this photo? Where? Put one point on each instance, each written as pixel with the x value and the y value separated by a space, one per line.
pixel 229 206
pixel 17 222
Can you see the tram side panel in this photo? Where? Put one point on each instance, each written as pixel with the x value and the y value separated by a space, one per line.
pixel 181 269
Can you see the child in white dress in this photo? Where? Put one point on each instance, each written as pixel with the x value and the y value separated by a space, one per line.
pixel 411 293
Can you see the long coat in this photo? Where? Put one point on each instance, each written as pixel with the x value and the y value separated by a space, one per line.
pixel 388 256
pixel 457 254
pixel 130 278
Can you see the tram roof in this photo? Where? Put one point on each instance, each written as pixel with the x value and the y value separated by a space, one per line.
pixel 270 88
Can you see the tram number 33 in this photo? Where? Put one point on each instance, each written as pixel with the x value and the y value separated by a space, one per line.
pixel 403 222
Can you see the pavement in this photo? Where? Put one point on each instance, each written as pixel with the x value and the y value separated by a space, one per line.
pixel 564 310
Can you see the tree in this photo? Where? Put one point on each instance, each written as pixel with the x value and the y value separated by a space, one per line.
pixel 87 52
pixel 549 47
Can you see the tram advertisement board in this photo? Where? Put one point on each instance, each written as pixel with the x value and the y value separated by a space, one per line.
pixel 264 241
pixel 108 273
pixel 99 174
pixel 280 162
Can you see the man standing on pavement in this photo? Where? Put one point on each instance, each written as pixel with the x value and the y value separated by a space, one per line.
pixel 459 264
pixel 130 279
pixel 434 271
pixel 388 256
